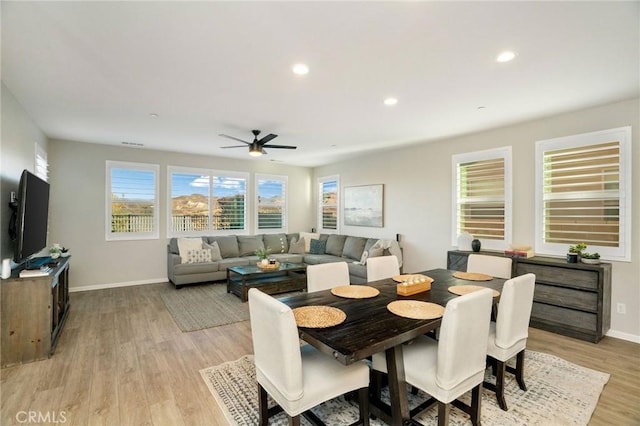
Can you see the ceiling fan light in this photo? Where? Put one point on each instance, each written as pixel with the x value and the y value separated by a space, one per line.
pixel 255 151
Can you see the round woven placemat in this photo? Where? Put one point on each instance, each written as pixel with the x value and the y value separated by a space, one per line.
pixel 472 276
pixel 318 316
pixel 409 277
pixel 461 290
pixel 416 309
pixel 355 291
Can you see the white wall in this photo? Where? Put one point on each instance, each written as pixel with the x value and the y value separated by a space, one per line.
pixel 17 152
pixel 77 210
pixel 418 190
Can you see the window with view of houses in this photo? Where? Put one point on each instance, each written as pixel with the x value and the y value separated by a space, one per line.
pixel 271 203
pixel 132 200
pixel 328 203
pixel 482 197
pixel 583 193
pixel 202 201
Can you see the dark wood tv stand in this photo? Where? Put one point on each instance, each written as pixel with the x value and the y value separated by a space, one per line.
pixel 34 311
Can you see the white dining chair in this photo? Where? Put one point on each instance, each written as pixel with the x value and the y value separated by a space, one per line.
pixel 495 266
pixel 324 276
pixel 508 334
pixel 297 377
pixel 381 267
pixel 450 367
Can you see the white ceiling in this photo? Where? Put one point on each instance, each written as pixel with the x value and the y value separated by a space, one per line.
pixel 94 71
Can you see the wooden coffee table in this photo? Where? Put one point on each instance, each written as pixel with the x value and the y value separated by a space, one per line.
pixel 288 277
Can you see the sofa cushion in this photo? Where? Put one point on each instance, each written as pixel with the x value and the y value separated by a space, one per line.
pixel 277 243
pixel 228 245
pixel 286 257
pixel 318 247
pixel 358 270
pixel 370 242
pixel 199 256
pixel 233 261
pixel 186 244
pixel 335 244
pixel 308 236
pixel 215 250
pixel 248 244
pixel 314 259
pixel 297 247
pixel 353 247
pixel 195 268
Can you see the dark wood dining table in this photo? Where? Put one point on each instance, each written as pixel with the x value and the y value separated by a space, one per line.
pixel 370 328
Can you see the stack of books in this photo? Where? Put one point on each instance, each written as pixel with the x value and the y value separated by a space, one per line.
pixel 29 273
pixel 519 253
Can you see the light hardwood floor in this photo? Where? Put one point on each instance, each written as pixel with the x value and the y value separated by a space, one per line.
pixel 122 360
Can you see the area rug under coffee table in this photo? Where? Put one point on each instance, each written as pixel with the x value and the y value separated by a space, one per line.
pixel 560 393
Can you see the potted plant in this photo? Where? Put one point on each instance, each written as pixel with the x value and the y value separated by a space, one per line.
pixel 574 252
pixel 263 255
pixel 592 258
pixel 55 251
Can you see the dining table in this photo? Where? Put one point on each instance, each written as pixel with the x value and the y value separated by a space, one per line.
pixel 370 328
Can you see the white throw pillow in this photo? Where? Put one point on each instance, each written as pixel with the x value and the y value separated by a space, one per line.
pixel 308 236
pixel 186 244
pixel 199 256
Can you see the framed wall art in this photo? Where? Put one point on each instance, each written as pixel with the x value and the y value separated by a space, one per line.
pixel 363 205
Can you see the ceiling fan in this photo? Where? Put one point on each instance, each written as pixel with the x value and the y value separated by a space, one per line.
pixel 256 148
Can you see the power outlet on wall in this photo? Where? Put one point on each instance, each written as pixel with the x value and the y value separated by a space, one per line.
pixel 621 308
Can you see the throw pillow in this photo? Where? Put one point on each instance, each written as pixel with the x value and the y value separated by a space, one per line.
pixel 317 246
pixel 375 251
pixel 277 243
pixel 363 259
pixel 215 251
pixel 297 246
pixel 199 256
pixel 248 244
pixel 186 244
pixel 308 236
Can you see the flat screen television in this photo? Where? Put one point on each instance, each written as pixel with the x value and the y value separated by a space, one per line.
pixel 32 216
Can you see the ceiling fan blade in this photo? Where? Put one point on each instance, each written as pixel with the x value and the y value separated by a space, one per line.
pixel 234 138
pixel 267 138
pixel 282 146
pixel 234 146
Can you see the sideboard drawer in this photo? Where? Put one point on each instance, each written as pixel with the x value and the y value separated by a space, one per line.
pixel 569 322
pixel 562 296
pixel 562 276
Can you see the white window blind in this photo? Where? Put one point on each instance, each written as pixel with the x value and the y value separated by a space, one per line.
pixel 584 193
pixel 203 200
pixel 271 203
pixel 483 196
pixel 132 201
pixel 328 203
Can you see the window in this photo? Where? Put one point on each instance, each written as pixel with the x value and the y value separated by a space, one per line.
pixel 271 203
pixel 482 197
pixel 583 193
pixel 132 201
pixel 205 200
pixel 41 163
pixel 328 203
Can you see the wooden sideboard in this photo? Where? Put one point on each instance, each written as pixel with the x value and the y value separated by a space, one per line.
pixel 573 299
pixel 33 313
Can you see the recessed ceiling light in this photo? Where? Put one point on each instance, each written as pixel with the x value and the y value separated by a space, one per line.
pixel 390 101
pixel 481 107
pixel 300 69
pixel 506 56
pixel 153 115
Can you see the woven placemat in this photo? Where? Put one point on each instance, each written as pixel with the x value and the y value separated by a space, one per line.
pixel 355 291
pixel 461 290
pixel 472 276
pixel 416 309
pixel 318 316
pixel 411 277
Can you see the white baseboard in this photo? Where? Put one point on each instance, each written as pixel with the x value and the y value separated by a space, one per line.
pixel 623 336
pixel 114 285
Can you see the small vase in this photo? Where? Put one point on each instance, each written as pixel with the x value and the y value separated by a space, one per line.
pixel 264 262
pixel 475 245
pixel 572 257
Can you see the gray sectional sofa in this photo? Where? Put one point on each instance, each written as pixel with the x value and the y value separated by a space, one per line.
pixel 236 250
